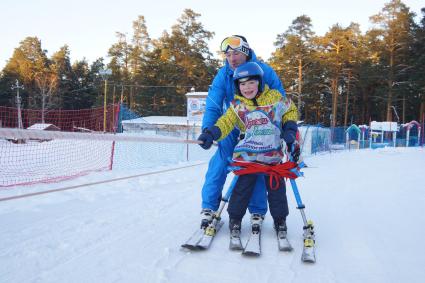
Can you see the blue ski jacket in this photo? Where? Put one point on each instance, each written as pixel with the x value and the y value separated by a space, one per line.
pixel 222 90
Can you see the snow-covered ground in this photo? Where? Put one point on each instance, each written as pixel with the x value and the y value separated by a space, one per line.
pixel 367 207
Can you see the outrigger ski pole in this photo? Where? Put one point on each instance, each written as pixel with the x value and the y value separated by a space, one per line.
pixel 308 254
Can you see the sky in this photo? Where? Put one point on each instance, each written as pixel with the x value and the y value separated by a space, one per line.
pixel 89 27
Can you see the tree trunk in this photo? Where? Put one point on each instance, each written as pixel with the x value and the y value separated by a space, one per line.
pixel 403 118
pixel 334 89
pixel 300 81
pixel 390 87
pixel 346 99
pixel 43 106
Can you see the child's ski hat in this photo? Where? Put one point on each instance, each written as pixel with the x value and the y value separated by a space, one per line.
pixel 246 72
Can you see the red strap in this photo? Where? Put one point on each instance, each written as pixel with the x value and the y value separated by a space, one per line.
pixel 274 171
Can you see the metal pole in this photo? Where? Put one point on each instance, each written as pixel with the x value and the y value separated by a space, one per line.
pixel 122 94
pixel 187 137
pixel 18 103
pixel 104 105
pixel 113 110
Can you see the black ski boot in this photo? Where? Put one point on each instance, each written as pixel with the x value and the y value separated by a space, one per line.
pixel 281 233
pixel 235 227
pixel 235 243
pixel 280 226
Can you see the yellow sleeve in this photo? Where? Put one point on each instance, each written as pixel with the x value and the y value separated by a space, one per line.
pixel 291 114
pixel 227 122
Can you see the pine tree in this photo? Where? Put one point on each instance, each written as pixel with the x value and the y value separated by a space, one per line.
pixel 28 61
pixel 293 56
pixel 395 23
pixel 417 74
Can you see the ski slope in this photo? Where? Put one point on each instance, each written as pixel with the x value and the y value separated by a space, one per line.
pixel 367 207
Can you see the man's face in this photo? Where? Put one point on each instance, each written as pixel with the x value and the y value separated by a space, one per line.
pixel 249 89
pixel 235 58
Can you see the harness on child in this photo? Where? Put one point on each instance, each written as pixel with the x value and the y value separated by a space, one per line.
pixel 289 169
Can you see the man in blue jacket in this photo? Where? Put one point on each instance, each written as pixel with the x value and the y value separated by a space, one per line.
pixel 220 94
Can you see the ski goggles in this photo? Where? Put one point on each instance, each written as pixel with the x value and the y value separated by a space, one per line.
pixel 234 43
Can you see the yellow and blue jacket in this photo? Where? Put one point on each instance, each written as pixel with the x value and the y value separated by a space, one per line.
pixel 230 119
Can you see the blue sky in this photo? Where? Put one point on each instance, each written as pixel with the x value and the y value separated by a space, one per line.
pixel 89 26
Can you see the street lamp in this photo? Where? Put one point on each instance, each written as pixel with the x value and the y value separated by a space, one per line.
pixel 105 73
pixel 18 102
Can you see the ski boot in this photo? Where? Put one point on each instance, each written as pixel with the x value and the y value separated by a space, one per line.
pixel 256 222
pixel 281 233
pixel 235 227
pixel 280 227
pixel 253 245
pixel 206 217
pixel 235 243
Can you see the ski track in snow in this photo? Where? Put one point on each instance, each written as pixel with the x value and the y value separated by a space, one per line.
pixel 366 206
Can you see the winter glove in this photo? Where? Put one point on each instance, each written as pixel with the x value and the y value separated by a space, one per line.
pixel 208 136
pixel 289 132
pixel 294 150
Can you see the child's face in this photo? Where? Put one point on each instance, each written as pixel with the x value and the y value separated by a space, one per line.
pixel 249 89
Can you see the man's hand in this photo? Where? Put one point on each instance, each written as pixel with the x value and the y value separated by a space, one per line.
pixel 208 136
pixel 207 140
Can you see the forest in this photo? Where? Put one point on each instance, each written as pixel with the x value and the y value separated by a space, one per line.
pixel 342 77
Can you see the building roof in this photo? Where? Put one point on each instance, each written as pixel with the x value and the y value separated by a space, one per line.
pixel 43 126
pixel 197 94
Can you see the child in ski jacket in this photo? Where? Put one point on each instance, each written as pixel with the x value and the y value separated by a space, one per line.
pixel 220 94
pixel 265 117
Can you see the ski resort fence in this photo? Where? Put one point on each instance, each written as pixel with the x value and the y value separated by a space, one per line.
pixel 34 156
pixel 78 145
pixel 64 120
pixel 33 160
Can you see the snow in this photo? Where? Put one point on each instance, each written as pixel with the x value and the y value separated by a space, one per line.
pixel 367 207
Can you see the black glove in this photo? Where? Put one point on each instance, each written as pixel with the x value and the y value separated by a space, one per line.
pixel 289 135
pixel 289 132
pixel 294 150
pixel 208 136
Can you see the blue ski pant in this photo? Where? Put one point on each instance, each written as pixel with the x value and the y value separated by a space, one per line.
pixel 216 177
pixel 278 203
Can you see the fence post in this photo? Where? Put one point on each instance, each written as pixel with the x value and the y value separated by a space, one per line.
pixel 423 126
pixel 187 137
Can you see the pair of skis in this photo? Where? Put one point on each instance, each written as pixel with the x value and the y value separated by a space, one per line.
pixel 253 246
pixel 203 237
